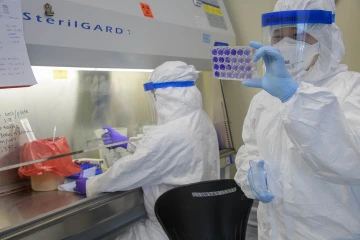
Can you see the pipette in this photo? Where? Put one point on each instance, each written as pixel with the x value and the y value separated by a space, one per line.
pixel 54 133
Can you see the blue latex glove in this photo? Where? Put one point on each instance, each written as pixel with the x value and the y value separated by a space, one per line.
pixel 277 81
pixel 81 186
pixel 257 177
pixel 113 137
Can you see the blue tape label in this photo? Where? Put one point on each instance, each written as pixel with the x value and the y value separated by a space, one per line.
pixel 206 38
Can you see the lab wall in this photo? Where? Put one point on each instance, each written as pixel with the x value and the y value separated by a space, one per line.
pixel 348 18
pixel 246 20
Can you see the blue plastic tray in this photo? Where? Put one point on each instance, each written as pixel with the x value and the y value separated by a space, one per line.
pixel 86 166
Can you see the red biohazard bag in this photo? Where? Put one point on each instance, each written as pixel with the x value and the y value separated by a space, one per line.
pixel 44 148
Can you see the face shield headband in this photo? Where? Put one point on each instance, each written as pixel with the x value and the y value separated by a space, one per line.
pixel 297 17
pixel 152 86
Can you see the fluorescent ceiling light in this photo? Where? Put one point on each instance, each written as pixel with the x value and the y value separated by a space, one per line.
pixel 96 69
pixel 100 69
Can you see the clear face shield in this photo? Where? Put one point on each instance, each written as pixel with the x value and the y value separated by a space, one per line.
pixel 151 100
pixel 150 88
pixel 293 33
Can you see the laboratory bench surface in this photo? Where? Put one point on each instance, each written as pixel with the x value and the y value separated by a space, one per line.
pixel 26 214
pixel 29 215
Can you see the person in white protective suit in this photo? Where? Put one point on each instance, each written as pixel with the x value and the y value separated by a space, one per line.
pixel 181 149
pixel 303 129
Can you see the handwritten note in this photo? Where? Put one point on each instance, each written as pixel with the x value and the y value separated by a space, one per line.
pixel 10 129
pixel 15 69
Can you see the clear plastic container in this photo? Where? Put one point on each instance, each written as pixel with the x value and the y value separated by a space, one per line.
pixel 47 181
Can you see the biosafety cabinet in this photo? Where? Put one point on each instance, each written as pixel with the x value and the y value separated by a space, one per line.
pixel 90 59
pixel 124 34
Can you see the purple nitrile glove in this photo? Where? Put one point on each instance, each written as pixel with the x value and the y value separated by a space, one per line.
pixel 113 136
pixel 81 186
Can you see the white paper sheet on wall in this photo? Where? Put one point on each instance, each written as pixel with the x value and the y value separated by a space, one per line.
pixel 15 68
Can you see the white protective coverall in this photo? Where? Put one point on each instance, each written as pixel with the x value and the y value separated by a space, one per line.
pixel 181 149
pixel 310 144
